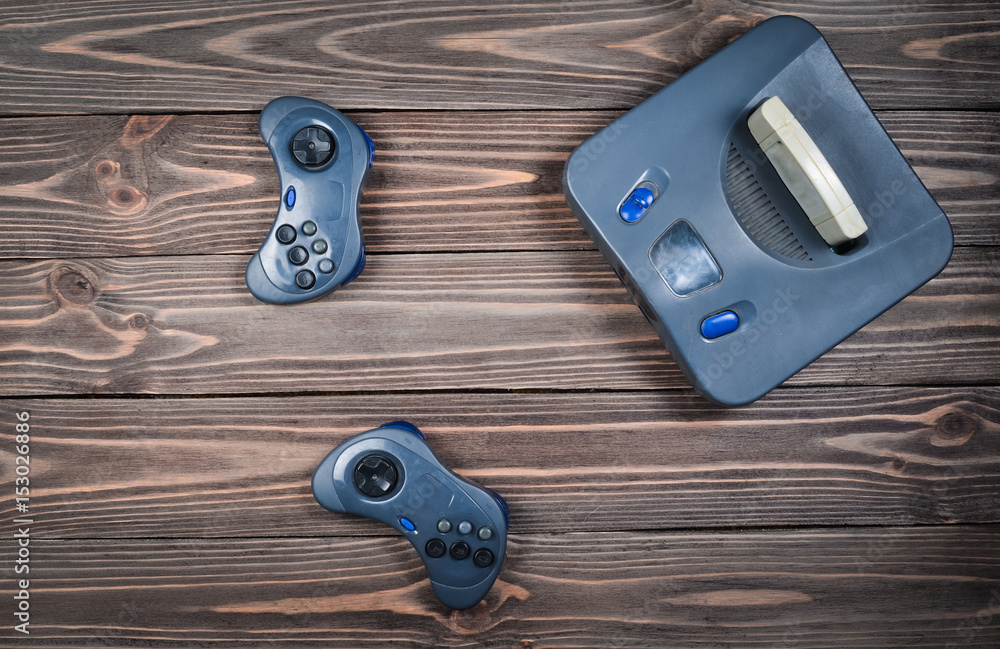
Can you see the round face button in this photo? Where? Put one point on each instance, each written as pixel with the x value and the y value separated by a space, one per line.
pixel 464 527
pixel 375 476
pixel 460 550
pixel 435 548
pixel 309 228
pixel 485 533
pixel 286 234
pixel 444 526
pixel 305 279
pixel 298 255
pixel 325 266
pixel 482 557
pixel 312 146
pixel 319 246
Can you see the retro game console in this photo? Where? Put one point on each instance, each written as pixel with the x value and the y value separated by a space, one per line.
pixel 757 211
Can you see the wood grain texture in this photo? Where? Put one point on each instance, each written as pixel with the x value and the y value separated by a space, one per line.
pixel 809 588
pixel 241 467
pixel 561 320
pixel 182 56
pixel 476 181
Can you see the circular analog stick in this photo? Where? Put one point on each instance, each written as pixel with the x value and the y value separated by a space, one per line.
pixel 312 146
pixel 375 476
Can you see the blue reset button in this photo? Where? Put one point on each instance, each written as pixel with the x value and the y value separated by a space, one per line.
pixel 636 204
pixel 290 197
pixel 719 324
pixel 407 523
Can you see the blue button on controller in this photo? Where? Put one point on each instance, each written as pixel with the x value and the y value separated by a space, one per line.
pixel 407 523
pixel 719 324
pixel 290 197
pixel 636 204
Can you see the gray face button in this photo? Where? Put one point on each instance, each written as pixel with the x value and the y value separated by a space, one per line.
pixel 465 527
pixel 304 279
pixel 485 533
pixel 298 255
pixel 460 550
pixel 444 526
pixel 483 557
pixel 435 548
pixel 286 234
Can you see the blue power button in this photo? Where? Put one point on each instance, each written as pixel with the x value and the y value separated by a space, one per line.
pixel 719 324
pixel 407 524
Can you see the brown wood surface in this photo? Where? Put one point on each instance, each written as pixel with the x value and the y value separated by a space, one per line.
pixel 176 421
pixel 785 588
pixel 566 462
pixel 557 320
pixel 179 55
pixel 476 181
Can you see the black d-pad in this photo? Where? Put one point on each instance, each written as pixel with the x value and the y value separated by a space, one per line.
pixel 312 146
pixel 375 476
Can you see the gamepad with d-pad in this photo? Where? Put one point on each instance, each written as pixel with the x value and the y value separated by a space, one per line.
pixel 315 244
pixel 459 529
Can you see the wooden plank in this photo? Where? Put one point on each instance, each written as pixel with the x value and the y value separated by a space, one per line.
pixel 890 587
pixel 201 184
pixel 241 467
pixel 560 320
pixel 178 56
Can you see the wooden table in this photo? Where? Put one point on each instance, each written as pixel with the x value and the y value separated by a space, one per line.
pixel 175 421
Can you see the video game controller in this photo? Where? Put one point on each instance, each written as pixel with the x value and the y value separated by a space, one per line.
pixel 459 529
pixel 315 244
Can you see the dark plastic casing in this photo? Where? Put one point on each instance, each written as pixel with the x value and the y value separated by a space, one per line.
pixel 328 195
pixel 795 298
pixel 426 493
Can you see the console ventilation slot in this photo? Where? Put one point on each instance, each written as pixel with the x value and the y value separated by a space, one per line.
pixel 756 213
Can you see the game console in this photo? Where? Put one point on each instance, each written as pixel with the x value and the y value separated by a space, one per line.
pixel 757 211
pixel 390 474
pixel 315 244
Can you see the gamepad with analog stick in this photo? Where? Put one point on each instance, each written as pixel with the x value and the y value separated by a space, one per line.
pixel 315 244
pixel 459 529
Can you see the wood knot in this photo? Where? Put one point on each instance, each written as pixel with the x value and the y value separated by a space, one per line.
pixel 124 196
pixel 142 127
pixel 138 321
pixel 106 169
pixel 74 287
pixel 954 429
